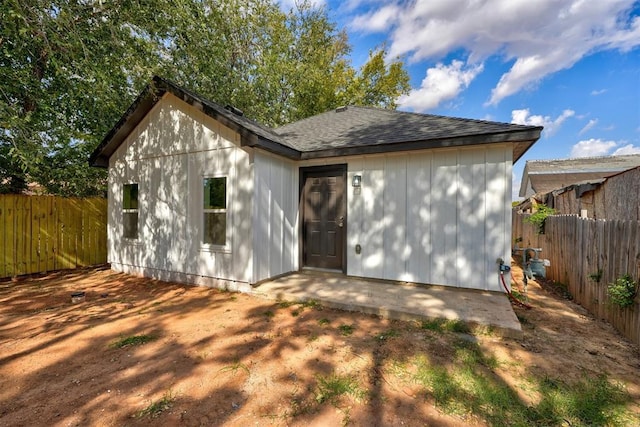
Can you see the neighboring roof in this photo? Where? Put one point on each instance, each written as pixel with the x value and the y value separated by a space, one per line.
pixel 343 131
pixel 581 187
pixel 544 176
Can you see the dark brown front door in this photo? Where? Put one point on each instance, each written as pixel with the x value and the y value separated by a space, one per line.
pixel 324 217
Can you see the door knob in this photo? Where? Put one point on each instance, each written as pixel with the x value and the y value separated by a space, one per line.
pixel 340 221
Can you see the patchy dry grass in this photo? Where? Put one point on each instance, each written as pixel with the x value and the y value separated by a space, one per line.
pixel 236 360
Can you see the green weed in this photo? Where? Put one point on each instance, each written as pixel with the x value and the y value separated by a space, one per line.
pixel 156 408
pixel 444 325
pixel 132 341
pixel 346 330
pixel 623 291
pixel 311 303
pixel 235 367
pixel 519 296
pixel 285 304
pixel 597 276
pixel 332 387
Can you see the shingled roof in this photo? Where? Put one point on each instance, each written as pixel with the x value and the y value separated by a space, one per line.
pixel 544 176
pixel 357 130
pixel 343 131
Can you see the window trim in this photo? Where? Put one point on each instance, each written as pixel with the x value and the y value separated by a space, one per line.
pixel 212 247
pixel 130 211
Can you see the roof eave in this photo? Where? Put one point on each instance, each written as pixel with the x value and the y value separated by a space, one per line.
pixel 527 137
pixel 129 120
pixel 272 147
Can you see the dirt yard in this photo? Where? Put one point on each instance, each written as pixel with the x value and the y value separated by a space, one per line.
pixel 144 352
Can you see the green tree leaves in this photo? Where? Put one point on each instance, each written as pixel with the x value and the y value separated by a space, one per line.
pixel 377 83
pixel 70 68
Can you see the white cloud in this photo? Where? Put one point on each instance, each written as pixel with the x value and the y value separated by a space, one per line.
pixel 588 126
pixel 526 71
pixel 597 147
pixel 592 148
pixel 598 92
pixel 524 117
pixel 441 83
pixel 627 149
pixel 540 37
pixel 377 20
pixel 350 5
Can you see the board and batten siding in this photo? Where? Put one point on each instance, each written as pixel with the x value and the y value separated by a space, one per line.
pixel 168 155
pixel 437 217
pixel 275 216
pixel 434 216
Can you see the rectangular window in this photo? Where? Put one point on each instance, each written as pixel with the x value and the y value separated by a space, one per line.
pixel 130 211
pixel 215 211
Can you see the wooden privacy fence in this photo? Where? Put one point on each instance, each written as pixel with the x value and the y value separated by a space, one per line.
pixel 582 249
pixel 524 234
pixel 44 233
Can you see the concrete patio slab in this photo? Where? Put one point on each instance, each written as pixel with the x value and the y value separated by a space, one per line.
pixel 396 300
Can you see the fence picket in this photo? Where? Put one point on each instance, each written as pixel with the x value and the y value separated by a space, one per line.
pixel 50 235
pixel 44 233
pixel 578 248
pixel 10 240
pixel 3 237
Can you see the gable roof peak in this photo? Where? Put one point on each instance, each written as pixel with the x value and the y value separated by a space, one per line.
pixel 346 130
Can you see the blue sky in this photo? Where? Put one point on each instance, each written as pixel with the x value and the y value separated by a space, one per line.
pixel 572 66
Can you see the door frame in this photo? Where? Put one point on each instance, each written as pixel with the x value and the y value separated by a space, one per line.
pixel 341 170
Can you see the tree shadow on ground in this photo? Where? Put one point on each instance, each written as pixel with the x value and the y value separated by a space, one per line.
pixel 216 357
pixel 78 375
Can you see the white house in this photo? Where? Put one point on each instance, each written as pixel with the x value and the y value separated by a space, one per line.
pixel 200 194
